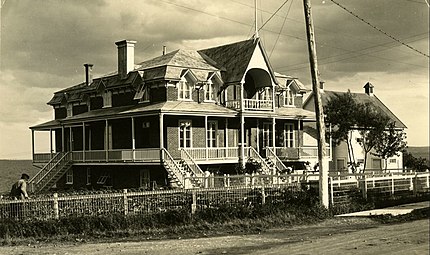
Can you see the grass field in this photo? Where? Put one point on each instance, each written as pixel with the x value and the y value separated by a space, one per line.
pixel 11 170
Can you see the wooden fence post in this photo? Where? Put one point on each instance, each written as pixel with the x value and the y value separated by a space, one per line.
pixel 56 210
pixel 263 195
pixel 392 184
pixel 364 187
pixel 125 202
pixel 331 190
pixel 415 184
pixel 427 179
pixel 194 202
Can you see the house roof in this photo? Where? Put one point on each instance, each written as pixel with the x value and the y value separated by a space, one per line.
pixel 234 58
pixel 362 98
pixel 296 113
pixel 285 80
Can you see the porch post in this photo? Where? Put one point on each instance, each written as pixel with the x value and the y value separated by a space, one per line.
pixel 83 141
pixel 273 134
pixel 206 137
pixel 161 129
pixel 298 145
pixel 133 139
pixel 70 139
pixel 258 135
pixel 107 140
pixel 50 142
pixel 62 139
pixel 226 137
pixel 32 144
pixel 242 126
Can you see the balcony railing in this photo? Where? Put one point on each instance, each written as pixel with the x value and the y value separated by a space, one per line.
pixel 305 152
pixel 251 105
pixel 216 153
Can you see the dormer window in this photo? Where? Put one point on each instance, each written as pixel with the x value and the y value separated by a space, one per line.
pixel 210 91
pixel 107 99
pixel 288 97
pixel 184 89
pixel 142 94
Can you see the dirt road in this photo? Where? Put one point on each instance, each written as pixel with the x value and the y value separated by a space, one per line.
pixel 334 236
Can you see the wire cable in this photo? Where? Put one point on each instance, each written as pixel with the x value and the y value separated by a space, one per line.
pixel 280 31
pixel 380 30
pixel 273 15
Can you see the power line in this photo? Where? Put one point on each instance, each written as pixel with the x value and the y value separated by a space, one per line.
pixel 273 15
pixel 280 30
pixel 362 54
pixel 380 30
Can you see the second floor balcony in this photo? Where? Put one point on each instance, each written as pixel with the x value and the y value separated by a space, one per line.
pixel 251 105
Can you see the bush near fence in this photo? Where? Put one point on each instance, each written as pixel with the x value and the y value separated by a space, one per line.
pixel 263 206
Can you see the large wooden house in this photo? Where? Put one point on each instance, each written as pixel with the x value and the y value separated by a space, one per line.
pixel 171 117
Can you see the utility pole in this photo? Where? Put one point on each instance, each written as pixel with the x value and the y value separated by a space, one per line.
pixel 322 159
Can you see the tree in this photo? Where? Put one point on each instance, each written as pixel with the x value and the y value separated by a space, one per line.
pixel 341 112
pixel 371 124
pixel 411 162
pixel 390 142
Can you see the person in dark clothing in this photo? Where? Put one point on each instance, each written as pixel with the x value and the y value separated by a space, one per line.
pixel 19 188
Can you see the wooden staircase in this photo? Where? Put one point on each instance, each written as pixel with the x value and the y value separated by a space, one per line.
pixel 275 162
pixel 182 173
pixel 266 166
pixel 51 172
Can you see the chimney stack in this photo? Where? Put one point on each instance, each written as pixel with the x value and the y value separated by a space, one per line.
pixel 164 50
pixel 88 74
pixel 368 89
pixel 125 57
pixel 322 85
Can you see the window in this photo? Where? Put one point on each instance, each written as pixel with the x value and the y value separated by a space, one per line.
pixel 142 94
pixel 267 135
pixel 184 89
pixel 69 177
pixel 289 135
pixel 185 134
pixel 88 176
pixel 145 180
pixel 107 99
pixel 265 94
pixel 210 91
pixel 69 110
pixel 212 133
pixel 393 161
pixel 288 97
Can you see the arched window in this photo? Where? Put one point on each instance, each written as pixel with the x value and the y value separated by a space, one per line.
pixel 184 89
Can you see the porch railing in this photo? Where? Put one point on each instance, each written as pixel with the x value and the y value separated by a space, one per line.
pixel 221 153
pixel 251 104
pixel 191 164
pixel 280 167
pixel 304 152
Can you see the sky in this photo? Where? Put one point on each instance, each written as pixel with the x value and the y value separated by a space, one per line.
pixel 44 44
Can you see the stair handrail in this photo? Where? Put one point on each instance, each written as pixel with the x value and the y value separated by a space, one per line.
pixel 195 169
pixel 280 166
pixel 44 169
pixel 168 159
pixel 61 160
pixel 254 154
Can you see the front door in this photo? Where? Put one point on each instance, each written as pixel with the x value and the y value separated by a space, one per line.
pixel 266 138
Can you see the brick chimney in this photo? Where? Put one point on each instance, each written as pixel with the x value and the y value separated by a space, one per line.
pixel 88 74
pixel 125 57
pixel 368 89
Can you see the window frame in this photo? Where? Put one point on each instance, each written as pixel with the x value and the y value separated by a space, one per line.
pixel 212 134
pixel 185 88
pixel 69 176
pixel 182 141
pixel 289 135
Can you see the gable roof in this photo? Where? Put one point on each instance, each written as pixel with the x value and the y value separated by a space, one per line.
pixel 362 98
pixel 234 58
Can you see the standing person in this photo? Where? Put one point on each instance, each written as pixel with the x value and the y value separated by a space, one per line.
pixel 19 189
